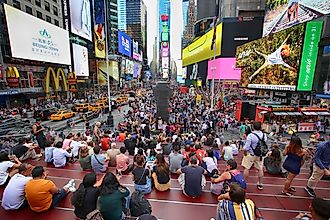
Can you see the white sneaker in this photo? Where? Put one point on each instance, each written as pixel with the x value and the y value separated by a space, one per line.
pixel 70 186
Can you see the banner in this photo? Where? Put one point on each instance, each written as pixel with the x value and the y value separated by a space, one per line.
pixel 99 29
pixel 309 55
pixel 225 69
pixel 81 21
pixel 137 70
pixel 102 73
pixel 124 44
pixel 136 55
pixel 80 59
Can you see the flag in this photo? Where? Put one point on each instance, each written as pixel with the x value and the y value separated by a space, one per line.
pixel 215 23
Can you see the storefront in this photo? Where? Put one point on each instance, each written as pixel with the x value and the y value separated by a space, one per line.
pixel 310 116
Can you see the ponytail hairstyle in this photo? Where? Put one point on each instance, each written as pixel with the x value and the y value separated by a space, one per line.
pixel 78 197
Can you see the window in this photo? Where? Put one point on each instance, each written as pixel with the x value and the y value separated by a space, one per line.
pixel 16 4
pixel 38 3
pixel 28 9
pixel 39 15
pixel 48 19
pixel 47 6
pixel 55 10
pixel 56 22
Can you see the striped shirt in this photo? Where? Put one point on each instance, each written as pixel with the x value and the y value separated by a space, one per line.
pixel 228 210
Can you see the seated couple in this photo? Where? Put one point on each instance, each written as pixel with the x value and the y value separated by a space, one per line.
pixel 37 192
pixel 220 183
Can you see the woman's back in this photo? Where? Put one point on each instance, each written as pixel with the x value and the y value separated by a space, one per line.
pixel 293 162
pixel 111 205
pixel 88 204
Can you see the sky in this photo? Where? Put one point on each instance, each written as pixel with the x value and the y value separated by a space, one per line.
pixel 176 29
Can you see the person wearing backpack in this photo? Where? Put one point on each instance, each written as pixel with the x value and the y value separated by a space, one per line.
pixel 231 175
pixel 255 149
pixel 139 205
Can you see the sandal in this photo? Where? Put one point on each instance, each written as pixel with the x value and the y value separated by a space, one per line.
pixel 292 189
pixel 286 193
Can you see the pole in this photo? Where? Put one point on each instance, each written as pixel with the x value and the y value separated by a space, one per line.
pixel 213 74
pixel 107 53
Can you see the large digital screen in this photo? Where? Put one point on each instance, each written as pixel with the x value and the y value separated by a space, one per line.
pixel 124 44
pixel 34 39
pixel 165 62
pixel 200 49
pixel 284 14
pixel 129 67
pixel 136 54
pixel 81 21
pixel 272 62
pixel 80 59
pixel 165 52
pixel 99 29
pixel 102 73
pixel 309 55
pixel 225 69
pixel 137 70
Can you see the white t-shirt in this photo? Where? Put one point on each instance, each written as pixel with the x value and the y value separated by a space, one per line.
pixel 14 194
pixel 49 154
pixel 210 164
pixel 59 156
pixel 4 166
pixel 75 145
pixel 235 149
pixel 228 153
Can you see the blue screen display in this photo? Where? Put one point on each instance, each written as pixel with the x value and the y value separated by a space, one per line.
pixel 124 44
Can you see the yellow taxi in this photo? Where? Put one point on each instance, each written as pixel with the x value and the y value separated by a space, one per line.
pixel 103 100
pixel 97 106
pixel 61 115
pixel 121 99
pixel 81 107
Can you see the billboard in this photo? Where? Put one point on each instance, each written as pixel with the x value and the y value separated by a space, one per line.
pixel 225 69
pixel 102 73
pixel 136 54
pixel 137 70
pixel 165 52
pixel 272 62
pixel 124 44
pixel 165 62
pixel 123 68
pixel 129 67
pixel 237 32
pixel 284 14
pixel 34 39
pixel 200 49
pixel 309 55
pixel 80 60
pixel 99 29
pixel 81 21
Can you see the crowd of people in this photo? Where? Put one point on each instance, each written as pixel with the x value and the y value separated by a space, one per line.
pixel 190 144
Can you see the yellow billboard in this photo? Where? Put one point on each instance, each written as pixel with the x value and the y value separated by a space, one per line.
pixel 102 71
pixel 200 49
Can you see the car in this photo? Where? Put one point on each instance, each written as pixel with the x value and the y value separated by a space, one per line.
pixel 121 99
pixel 103 100
pixel 81 107
pixel 88 116
pixel 97 106
pixel 61 115
pixel 44 114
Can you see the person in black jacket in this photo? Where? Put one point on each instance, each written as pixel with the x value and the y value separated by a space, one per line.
pixel 85 198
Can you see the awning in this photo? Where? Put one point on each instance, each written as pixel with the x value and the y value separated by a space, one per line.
pixel 280 113
pixel 316 113
pixel 263 112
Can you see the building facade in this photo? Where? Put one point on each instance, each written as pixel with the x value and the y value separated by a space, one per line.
pixel 188 34
pixel 122 15
pixel 113 26
pixel 136 22
pixel 185 5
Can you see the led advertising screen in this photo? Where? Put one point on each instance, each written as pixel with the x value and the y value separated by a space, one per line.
pixel 102 73
pixel 165 37
pixel 165 62
pixel 123 68
pixel 124 44
pixel 81 21
pixel 80 59
pixel 200 49
pixel 99 29
pixel 284 14
pixel 272 62
pixel 225 69
pixel 34 39
pixel 309 55
pixel 136 54
pixel 165 52
pixel 129 67
pixel 137 70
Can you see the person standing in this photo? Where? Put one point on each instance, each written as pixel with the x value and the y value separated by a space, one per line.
pixel 250 158
pixel 321 166
pixel 38 132
pixel 296 156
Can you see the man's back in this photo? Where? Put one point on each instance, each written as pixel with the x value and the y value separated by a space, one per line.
pixel 230 210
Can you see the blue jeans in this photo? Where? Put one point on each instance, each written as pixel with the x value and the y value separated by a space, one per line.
pixel 58 197
pixel 145 189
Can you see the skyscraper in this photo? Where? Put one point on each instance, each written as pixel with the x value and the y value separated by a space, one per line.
pixel 113 25
pixel 122 15
pixel 185 5
pixel 164 8
pixel 188 34
pixel 136 22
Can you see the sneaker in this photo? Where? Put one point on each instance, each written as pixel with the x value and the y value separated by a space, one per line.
pixel 310 191
pixel 260 187
pixel 70 186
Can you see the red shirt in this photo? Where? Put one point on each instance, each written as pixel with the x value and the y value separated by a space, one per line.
pixel 200 154
pixel 105 143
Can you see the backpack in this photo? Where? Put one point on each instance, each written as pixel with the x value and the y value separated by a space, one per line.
pixel 94 215
pixel 238 178
pixel 139 204
pixel 261 149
